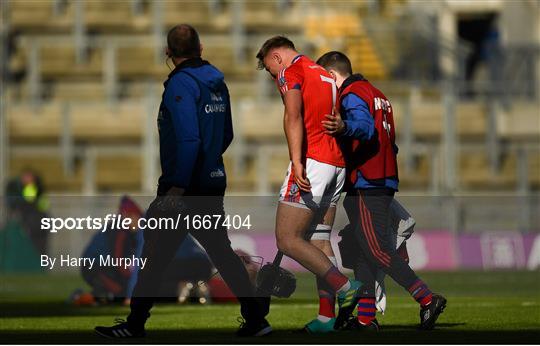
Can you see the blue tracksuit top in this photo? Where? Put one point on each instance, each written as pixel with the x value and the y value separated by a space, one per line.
pixel 195 127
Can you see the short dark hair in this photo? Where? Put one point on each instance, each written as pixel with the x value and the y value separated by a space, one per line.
pixel 271 43
pixel 183 41
pixel 336 61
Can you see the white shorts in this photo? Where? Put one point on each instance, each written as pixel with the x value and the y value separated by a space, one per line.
pixel 326 184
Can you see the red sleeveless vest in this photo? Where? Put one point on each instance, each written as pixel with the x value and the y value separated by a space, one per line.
pixel 376 158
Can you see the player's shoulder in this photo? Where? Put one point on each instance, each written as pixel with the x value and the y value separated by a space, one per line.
pixel 290 74
pixel 294 69
pixel 312 68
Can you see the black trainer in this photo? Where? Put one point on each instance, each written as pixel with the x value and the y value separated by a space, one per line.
pixel 247 328
pixel 347 301
pixel 121 330
pixel 430 313
pixel 354 324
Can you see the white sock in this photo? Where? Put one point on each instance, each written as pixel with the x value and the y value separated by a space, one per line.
pixel 323 319
pixel 345 287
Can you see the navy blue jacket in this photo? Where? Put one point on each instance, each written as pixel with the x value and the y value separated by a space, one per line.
pixel 195 128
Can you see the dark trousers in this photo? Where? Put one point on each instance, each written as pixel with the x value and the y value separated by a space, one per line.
pixel 368 211
pixel 160 247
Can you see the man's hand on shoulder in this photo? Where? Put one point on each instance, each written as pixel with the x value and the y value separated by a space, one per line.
pixel 334 125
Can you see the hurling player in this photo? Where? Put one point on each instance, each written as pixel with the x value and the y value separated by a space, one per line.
pixel 317 169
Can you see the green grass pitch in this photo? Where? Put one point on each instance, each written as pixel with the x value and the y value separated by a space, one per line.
pixel 483 307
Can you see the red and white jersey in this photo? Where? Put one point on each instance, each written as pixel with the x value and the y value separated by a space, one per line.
pixel 319 95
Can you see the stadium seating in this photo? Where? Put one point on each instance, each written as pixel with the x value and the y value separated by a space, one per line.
pixel 118 173
pixel 69 90
pixel 261 122
pixel 475 172
pixel 534 171
pixel 345 33
pixel 362 53
pixel 24 124
pixel 94 123
pixel 419 178
pixel 76 92
pixel 260 17
pixel 51 170
pixel 520 123
pixel 428 119
pixel 199 13
pixel 115 16
pixel 37 16
pixel 113 173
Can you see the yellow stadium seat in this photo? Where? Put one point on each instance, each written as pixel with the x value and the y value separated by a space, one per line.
pixel 99 123
pixel 37 16
pixel 118 173
pixel 475 173
pixel 28 125
pixel 262 122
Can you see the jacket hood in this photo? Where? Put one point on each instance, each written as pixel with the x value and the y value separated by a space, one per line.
pixel 203 71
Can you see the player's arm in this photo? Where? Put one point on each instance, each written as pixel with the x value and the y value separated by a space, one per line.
pixel 293 124
pixel 358 122
pixel 186 127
